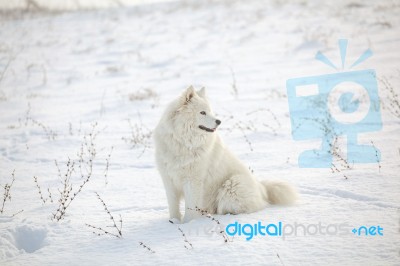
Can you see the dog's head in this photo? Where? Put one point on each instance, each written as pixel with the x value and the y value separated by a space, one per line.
pixel 194 114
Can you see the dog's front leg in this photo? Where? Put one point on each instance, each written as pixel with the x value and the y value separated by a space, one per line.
pixel 193 192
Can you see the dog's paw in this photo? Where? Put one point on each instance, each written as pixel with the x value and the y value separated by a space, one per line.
pixel 190 215
pixel 175 221
pixel 188 218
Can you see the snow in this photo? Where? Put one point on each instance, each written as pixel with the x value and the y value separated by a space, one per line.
pixel 61 72
pixel 71 4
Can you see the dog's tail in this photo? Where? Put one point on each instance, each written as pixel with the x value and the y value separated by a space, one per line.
pixel 279 192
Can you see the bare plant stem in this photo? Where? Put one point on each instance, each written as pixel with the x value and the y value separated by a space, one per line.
pixel 146 247
pixel 50 134
pixel 6 194
pixel 235 91
pixel 377 157
pixel 140 136
pixel 335 151
pixel 186 244
pixel 279 257
pixel 86 157
pixel 394 102
pixel 107 165
pixel 15 214
pixel 212 218
pixel 243 128
pixel 106 232
pixel 39 190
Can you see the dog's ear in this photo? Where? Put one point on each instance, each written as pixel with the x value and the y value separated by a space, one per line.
pixel 202 92
pixel 188 95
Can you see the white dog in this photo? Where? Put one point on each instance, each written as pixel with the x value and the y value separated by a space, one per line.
pixel 195 164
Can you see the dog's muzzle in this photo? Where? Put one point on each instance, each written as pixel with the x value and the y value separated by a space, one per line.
pixel 207 129
pixel 218 122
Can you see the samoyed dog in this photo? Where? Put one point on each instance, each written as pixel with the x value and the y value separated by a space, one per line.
pixel 196 165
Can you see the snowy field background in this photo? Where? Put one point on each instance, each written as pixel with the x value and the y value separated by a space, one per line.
pixel 85 88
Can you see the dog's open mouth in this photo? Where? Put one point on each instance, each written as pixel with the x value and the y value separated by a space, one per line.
pixel 207 129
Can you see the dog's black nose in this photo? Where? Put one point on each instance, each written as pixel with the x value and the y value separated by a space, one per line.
pixel 218 122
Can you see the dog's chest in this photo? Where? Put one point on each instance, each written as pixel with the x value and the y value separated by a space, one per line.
pixel 185 165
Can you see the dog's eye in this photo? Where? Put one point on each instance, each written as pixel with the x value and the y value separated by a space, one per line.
pixel 203 113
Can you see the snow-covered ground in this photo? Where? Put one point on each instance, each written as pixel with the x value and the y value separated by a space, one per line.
pixel 103 78
pixel 63 5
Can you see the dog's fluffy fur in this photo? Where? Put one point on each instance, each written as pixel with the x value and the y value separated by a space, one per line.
pixel 195 164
